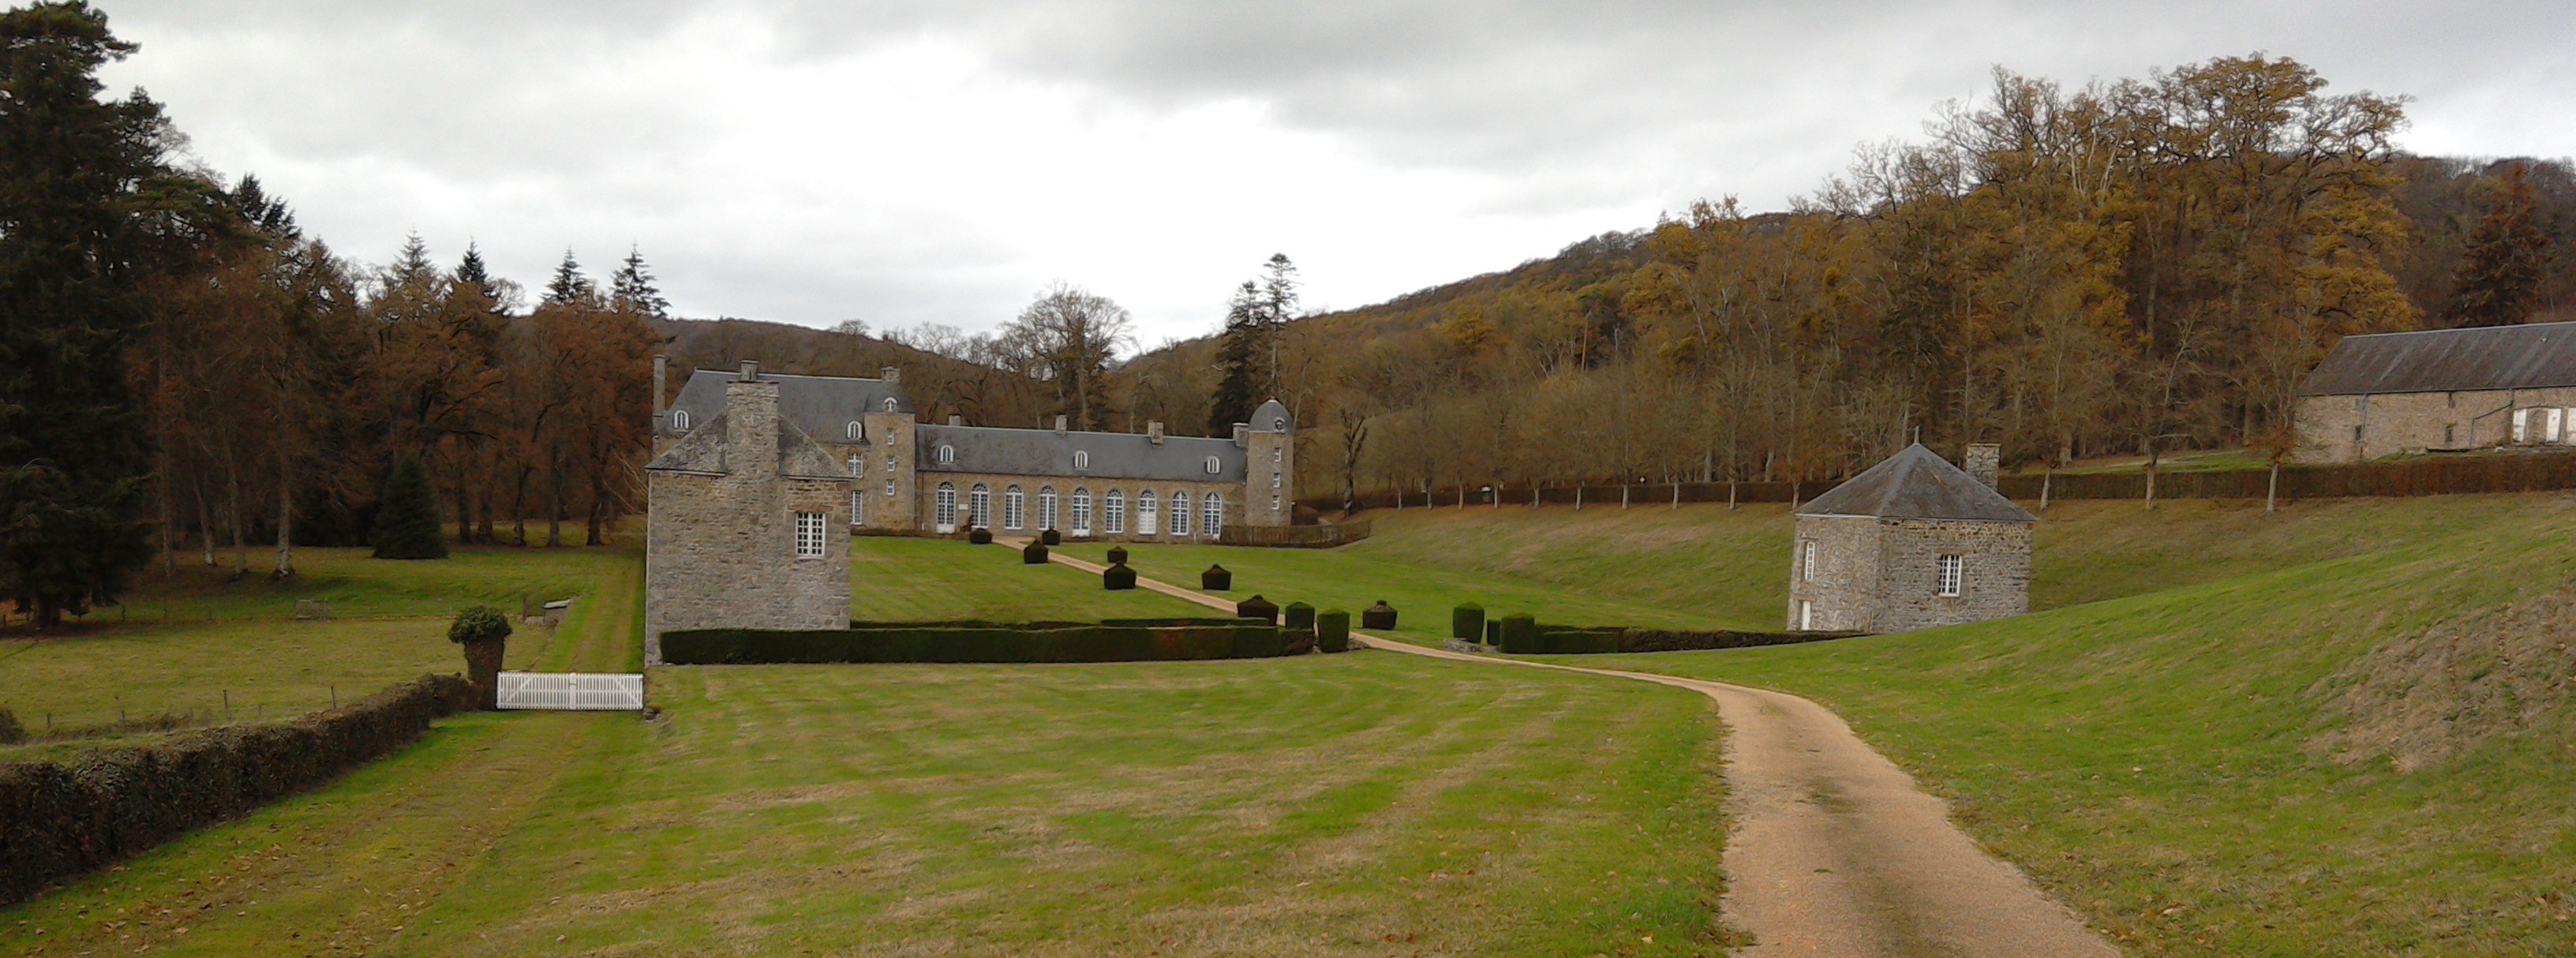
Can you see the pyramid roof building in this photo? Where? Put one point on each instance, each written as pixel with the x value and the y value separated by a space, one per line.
pixel 1916 484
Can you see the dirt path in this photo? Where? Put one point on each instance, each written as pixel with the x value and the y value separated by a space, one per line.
pixel 1834 851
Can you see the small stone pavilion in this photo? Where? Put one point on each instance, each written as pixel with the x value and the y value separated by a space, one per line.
pixel 1911 543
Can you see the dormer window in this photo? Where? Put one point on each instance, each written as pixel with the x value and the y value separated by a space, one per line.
pixel 889 404
pixel 1279 425
pixel 1213 466
pixel 679 419
pixel 1081 459
pixel 947 455
pixel 854 431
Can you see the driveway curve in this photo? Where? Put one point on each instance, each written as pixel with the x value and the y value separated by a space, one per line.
pixel 1833 850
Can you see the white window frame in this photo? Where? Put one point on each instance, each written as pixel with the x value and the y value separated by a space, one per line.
pixel 889 404
pixel 1082 459
pixel 1081 512
pixel 858 506
pixel 943 511
pixel 1014 508
pixel 947 455
pixel 858 464
pixel 1149 512
pixel 889 490
pixel 1950 572
pixel 679 419
pixel 1212 516
pixel 810 536
pixel 979 507
pixel 1214 466
pixel 1180 515
pixel 855 432
pixel 1113 513
pixel 1046 507
pixel 1807 560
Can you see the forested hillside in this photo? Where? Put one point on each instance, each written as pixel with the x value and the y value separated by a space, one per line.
pixel 2135 267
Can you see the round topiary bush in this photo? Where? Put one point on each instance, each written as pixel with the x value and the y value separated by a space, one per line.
pixel 980 536
pixel 1333 630
pixel 1117 555
pixel 1035 553
pixel 1467 622
pixel 1051 537
pixel 1379 616
pixel 484 632
pixel 1257 608
pixel 1216 579
pixel 1297 615
pixel 1118 578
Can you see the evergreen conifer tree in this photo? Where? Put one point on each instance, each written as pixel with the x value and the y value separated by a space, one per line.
pixel 1247 357
pixel 632 288
pixel 2499 276
pixel 407 521
pixel 569 286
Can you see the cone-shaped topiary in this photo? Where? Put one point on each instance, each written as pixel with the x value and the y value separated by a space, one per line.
pixel 1333 630
pixel 1520 634
pixel 1297 615
pixel 1035 553
pixel 1379 616
pixel 1257 608
pixel 1117 555
pixel 1051 537
pixel 407 520
pixel 1118 578
pixel 1467 622
pixel 980 536
pixel 1216 579
pixel 484 632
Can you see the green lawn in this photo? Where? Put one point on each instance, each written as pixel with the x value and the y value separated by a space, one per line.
pixel 358 585
pixel 898 579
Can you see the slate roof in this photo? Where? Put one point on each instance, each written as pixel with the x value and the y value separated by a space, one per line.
pixel 822 406
pixel 1045 452
pixel 1915 484
pixel 1273 417
pixel 703 450
pixel 2529 356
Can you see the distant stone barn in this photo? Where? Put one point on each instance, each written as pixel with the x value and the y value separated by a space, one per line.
pixel 1911 543
pixel 2440 390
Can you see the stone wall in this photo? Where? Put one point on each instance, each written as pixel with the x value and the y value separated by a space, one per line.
pixel 1269 478
pixel 2359 428
pixel 720 548
pixel 926 502
pixel 1843 586
pixel 1994 582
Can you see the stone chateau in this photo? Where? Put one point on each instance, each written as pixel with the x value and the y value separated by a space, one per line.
pixel 2440 390
pixel 1911 543
pixel 758 479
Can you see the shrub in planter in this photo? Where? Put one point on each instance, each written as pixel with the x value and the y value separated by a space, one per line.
pixel 1493 632
pixel 980 536
pixel 1216 579
pixel 1299 641
pixel 1467 622
pixel 1257 608
pixel 1297 615
pixel 1035 553
pixel 1520 634
pixel 1051 537
pixel 1333 630
pixel 484 632
pixel 1118 578
pixel 1379 616
pixel 1117 555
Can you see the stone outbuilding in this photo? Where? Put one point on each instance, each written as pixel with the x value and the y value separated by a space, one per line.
pixel 748 527
pixel 1911 543
pixel 2440 390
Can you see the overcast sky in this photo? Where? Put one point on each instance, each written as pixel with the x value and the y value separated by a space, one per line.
pixel 904 162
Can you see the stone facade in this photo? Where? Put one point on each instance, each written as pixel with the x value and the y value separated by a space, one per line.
pixel 1911 543
pixel 2356 428
pixel 997 488
pixel 721 538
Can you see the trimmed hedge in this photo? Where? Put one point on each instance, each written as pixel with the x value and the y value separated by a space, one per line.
pixel 1035 553
pixel 1299 641
pixel 1379 616
pixel 1147 623
pixel 1117 555
pixel 61 819
pixel 1216 579
pixel 1118 578
pixel 1683 640
pixel 1520 634
pixel 979 536
pixel 1297 615
pixel 1493 632
pixel 1579 640
pixel 982 642
pixel 1467 622
pixel 1333 630
pixel 1257 608
pixel 1051 537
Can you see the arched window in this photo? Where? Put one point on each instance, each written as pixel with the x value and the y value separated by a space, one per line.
pixel 944 507
pixel 1082 512
pixel 1212 519
pixel 1114 512
pixel 854 430
pixel 1213 466
pixel 1081 459
pixel 1149 511
pixel 947 455
pixel 858 464
pixel 1014 509
pixel 889 403
pixel 679 419
pixel 1046 507
pixel 979 507
pixel 1180 514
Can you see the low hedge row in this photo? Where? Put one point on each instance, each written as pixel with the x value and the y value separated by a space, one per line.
pixel 61 819
pixel 1683 640
pixel 1148 623
pixel 984 642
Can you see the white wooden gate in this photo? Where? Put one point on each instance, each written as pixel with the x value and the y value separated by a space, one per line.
pixel 572 691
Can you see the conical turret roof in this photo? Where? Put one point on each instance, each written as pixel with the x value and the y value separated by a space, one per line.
pixel 1915 484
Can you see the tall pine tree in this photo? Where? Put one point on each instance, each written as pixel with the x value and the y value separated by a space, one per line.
pixel 407 520
pixel 2499 275
pixel 632 288
pixel 569 286
pixel 88 206
pixel 1248 356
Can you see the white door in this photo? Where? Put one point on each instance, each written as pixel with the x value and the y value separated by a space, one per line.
pixel 1806 616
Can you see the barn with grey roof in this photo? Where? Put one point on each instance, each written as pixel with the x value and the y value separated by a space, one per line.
pixel 2440 390
pixel 1911 543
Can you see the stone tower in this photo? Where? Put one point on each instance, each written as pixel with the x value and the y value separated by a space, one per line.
pixel 1270 465
pixel 747 524
pixel 1911 543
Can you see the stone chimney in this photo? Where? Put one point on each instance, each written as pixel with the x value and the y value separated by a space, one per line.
pixel 751 421
pixel 750 370
pixel 1154 431
pixel 892 374
pixel 956 420
pixel 1985 462
pixel 1059 425
pixel 661 370
pixel 1242 434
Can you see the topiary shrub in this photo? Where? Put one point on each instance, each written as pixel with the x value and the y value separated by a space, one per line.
pixel 407 519
pixel 980 536
pixel 1297 615
pixel 11 733
pixel 1333 630
pixel 1051 537
pixel 1299 641
pixel 1257 608
pixel 1035 553
pixel 1379 616
pixel 1467 622
pixel 1118 578
pixel 484 632
pixel 1493 632
pixel 1520 634
pixel 1216 579
pixel 1117 555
